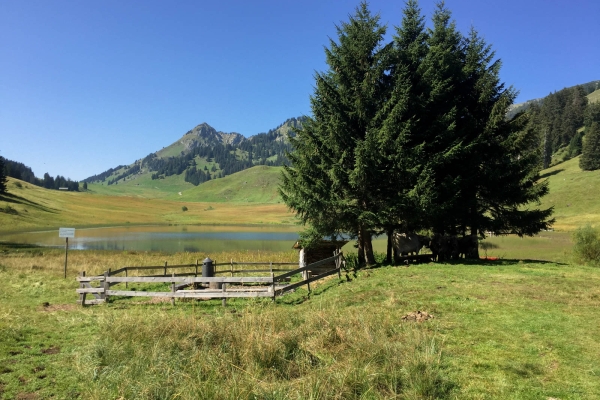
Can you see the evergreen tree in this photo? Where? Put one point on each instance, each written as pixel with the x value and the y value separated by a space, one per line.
pixel 2 177
pixel 330 177
pixel 590 155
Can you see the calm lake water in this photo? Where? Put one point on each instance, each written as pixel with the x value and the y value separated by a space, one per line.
pixel 167 238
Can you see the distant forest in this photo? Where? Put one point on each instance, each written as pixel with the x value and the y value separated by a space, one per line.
pixel 21 171
pixel 558 119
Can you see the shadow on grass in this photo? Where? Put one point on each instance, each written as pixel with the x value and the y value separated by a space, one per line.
pixel 12 246
pixel 547 174
pixel 462 261
pixel 13 198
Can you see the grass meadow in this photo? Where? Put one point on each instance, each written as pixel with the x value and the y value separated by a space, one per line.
pixel 28 207
pixel 505 329
pixel 522 327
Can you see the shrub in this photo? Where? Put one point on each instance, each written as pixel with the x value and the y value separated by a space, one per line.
pixel 587 245
pixel 184 208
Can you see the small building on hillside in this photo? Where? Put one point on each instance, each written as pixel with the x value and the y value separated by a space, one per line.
pixel 317 252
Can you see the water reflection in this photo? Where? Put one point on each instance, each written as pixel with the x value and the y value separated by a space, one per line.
pixel 168 238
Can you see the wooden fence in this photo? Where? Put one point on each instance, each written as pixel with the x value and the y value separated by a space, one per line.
pixel 219 287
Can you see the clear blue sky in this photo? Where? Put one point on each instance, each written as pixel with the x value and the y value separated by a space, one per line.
pixel 88 85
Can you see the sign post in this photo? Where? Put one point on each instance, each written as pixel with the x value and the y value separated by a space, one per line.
pixel 66 233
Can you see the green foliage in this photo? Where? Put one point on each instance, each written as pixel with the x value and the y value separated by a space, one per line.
pixel 332 172
pixel 557 117
pixel 413 136
pixel 590 157
pixel 2 177
pixel 184 208
pixel 586 247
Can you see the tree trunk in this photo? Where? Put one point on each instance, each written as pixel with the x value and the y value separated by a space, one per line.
pixel 361 249
pixel 367 246
pixel 388 258
pixel 475 251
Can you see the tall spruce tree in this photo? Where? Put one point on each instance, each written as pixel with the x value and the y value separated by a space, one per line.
pixel 590 155
pixel 481 169
pixel 413 135
pixel 437 186
pixel 331 184
pixel 401 129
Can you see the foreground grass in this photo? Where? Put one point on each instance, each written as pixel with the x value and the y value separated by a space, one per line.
pixel 501 330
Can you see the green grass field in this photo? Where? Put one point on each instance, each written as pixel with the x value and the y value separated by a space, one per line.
pixel 501 330
pixel 254 185
pixel 28 207
pixel 573 194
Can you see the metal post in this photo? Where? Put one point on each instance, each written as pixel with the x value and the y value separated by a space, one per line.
pixel 66 255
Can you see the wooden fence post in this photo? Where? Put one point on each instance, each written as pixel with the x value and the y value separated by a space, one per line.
pixel 81 285
pixel 196 273
pixel 106 285
pixel 273 282
pixel 224 289
pixel 232 267
pixel 173 290
pixel 165 274
pixel 126 283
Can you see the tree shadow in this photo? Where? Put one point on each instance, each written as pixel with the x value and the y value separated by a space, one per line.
pixel 13 198
pixel 547 174
pixel 500 261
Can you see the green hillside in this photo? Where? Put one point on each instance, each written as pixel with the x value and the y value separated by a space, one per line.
pixel 594 97
pixel 574 195
pixel 254 185
pixel 143 186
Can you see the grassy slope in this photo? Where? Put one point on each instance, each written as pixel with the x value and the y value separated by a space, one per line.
pixel 594 97
pixel 143 186
pixel 505 330
pixel 574 195
pixel 32 207
pixel 254 185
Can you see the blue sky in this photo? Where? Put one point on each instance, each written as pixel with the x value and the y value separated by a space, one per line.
pixel 88 85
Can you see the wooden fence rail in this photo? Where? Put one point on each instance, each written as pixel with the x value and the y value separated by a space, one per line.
pixel 245 286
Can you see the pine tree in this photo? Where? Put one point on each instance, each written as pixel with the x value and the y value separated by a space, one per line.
pixel 480 169
pixel 590 155
pixel 329 183
pixel 2 177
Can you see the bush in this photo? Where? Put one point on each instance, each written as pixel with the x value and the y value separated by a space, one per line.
pixel 184 208
pixel 587 245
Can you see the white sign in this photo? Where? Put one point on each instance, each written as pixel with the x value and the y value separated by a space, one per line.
pixel 66 232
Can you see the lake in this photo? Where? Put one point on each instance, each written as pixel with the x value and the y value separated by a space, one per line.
pixel 553 246
pixel 203 238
